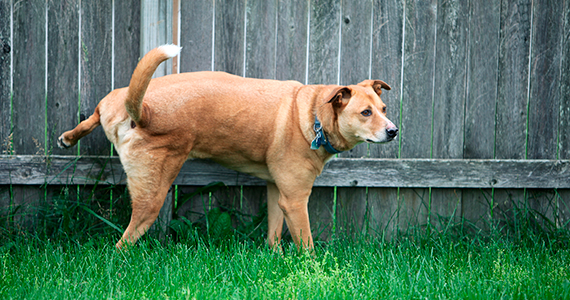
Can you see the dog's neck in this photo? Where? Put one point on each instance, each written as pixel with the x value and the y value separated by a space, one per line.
pixel 329 123
pixel 321 139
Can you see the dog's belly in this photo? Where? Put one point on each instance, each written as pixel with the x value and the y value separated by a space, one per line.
pixel 238 163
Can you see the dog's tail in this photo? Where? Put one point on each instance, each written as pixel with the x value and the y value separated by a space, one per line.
pixel 141 78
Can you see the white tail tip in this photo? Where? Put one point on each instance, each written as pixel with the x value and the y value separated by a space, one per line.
pixel 170 50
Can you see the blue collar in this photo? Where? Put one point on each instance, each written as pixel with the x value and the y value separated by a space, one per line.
pixel 321 139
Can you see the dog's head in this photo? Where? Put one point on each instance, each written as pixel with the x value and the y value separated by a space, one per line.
pixel 357 114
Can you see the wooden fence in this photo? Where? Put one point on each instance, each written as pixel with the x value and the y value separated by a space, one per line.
pixel 480 92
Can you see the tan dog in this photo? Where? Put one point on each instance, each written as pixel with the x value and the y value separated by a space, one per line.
pixel 266 128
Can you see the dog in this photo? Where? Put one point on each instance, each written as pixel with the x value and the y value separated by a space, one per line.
pixel 280 131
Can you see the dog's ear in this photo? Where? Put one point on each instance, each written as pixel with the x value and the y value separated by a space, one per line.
pixel 377 85
pixel 339 97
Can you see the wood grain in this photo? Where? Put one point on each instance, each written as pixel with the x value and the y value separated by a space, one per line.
pixel 196 29
pixel 355 23
pixel 386 64
pixel 5 75
pixel 28 103
pixel 343 172
pixel 127 40
pixel 291 48
pixel 62 70
pixel 481 102
pixel 96 68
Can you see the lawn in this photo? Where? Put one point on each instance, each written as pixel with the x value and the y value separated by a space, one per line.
pixel 438 267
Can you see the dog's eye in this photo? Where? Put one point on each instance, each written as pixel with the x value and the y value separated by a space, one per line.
pixel 384 109
pixel 366 113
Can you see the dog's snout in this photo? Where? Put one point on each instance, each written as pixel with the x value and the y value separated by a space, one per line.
pixel 392 132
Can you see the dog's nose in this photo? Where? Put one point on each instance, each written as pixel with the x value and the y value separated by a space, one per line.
pixel 392 132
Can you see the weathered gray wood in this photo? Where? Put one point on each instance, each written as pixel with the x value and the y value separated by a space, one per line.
pixel 450 79
pixel 564 135
pixel 449 100
pixel 321 203
pixel 512 100
pixel 62 70
pixel 196 29
pixel 343 172
pixel 291 48
pixel 96 68
pixel 419 62
pixel 156 30
pixel 28 102
pixel 544 96
pixel 481 101
pixel 355 67
pixel 229 37
pixel 260 39
pixel 417 101
pixel 386 64
pixel 29 56
pixel 513 79
pixel 324 42
pixel 127 40
pixel 5 76
pixel 544 101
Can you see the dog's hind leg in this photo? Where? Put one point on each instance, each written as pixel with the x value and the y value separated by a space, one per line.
pixel 274 216
pixel 148 182
pixel 70 138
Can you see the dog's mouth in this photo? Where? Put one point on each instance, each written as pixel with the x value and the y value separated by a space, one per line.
pixel 388 139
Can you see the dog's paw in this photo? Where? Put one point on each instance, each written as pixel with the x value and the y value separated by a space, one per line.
pixel 61 144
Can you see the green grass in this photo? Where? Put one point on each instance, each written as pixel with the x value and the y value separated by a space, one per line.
pixel 434 268
pixel 64 249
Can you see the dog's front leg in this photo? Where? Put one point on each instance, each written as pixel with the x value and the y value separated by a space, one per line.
pixel 294 205
pixel 274 216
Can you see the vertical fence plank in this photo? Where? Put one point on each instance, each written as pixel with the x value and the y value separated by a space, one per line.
pixel 260 39
pixel 62 70
pixel 564 135
pixel 229 37
pixel 510 139
pixel 417 102
pixel 29 48
pixel 355 24
pixel 481 102
pixel 5 99
pixel 28 118
pixel 96 68
pixel 196 29
pixel 449 102
pixel 5 75
pixel 62 98
pixel 156 30
pixel 127 40
pixel 544 98
pixel 322 69
pixel 386 64
pixel 324 42
pixel 291 48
